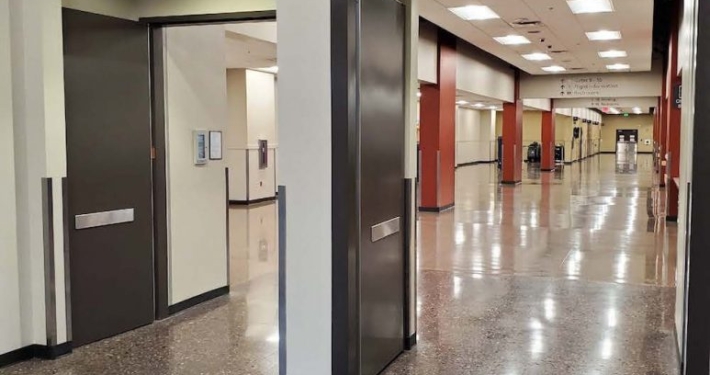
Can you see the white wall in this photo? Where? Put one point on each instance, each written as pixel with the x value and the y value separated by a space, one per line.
pixel 127 9
pixel 154 8
pixel 135 9
pixel 475 135
pixel 40 152
pixel 10 333
pixel 482 75
pixel 196 95
pixel 541 104
pixel 252 116
pixel 687 62
pixel 428 60
pixel 305 170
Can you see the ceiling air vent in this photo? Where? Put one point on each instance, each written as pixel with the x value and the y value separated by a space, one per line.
pixel 578 68
pixel 559 51
pixel 524 22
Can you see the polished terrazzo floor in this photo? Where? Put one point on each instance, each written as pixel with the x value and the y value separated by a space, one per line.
pixel 567 273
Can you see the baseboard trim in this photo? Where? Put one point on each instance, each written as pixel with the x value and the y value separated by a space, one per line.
pixel 436 209
pixel 476 163
pixel 681 364
pixel 512 183
pixel 194 301
pixel 548 169
pixel 253 201
pixel 35 351
pixel 53 352
pixel 410 342
pixel 672 219
pixel 16 356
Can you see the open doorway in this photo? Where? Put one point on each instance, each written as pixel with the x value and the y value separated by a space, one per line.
pixel 209 218
pixel 219 99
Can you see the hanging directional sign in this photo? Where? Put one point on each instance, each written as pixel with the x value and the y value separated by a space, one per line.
pixel 601 85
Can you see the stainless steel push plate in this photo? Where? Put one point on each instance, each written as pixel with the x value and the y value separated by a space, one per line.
pixel 100 219
pixel 384 229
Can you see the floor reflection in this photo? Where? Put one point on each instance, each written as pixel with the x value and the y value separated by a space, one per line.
pixel 568 273
pixel 235 334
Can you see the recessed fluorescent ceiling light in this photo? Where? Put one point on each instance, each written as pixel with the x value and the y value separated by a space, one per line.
pixel 475 12
pixel 611 54
pixel 512 40
pixel 537 56
pixel 479 105
pixel 637 110
pixel 554 69
pixel 604 35
pixel 618 67
pixel 590 6
pixel 614 111
pixel 493 107
pixel 461 102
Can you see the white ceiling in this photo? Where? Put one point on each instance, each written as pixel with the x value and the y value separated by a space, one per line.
pixel 560 29
pixel 250 45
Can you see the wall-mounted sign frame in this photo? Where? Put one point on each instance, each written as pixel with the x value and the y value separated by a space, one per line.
pixel 263 154
pixel 199 146
pixel 216 145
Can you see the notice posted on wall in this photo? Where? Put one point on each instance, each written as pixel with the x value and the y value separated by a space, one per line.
pixel 215 145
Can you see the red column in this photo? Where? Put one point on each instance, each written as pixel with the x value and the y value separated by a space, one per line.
pixel 656 135
pixel 513 137
pixel 547 160
pixel 662 137
pixel 438 131
pixel 672 124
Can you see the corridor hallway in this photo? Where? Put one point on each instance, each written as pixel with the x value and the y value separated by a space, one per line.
pixel 568 273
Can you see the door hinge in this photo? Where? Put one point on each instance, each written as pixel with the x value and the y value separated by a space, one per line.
pixel 152 153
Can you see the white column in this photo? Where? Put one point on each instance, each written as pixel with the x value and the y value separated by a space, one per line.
pixel 304 127
pixel 10 333
pixel 252 117
pixel 40 152
pixel 411 88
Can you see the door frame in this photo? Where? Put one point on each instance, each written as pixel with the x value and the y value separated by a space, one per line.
pixel 157 26
pixel 345 199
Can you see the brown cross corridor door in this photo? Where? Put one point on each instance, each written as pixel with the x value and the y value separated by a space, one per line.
pixel 107 91
pixel 381 183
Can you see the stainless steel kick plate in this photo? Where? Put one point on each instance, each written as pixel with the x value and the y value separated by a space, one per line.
pixel 100 219
pixel 384 229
